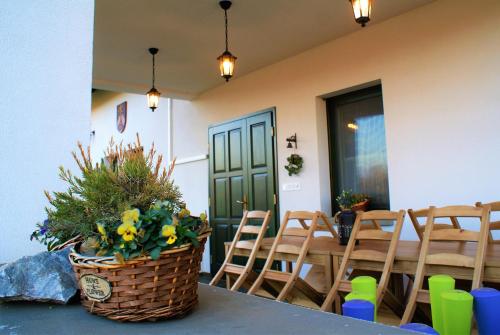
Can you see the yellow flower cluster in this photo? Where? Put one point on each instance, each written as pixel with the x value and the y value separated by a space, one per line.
pixel 184 213
pixel 127 229
pixel 169 232
pixel 102 231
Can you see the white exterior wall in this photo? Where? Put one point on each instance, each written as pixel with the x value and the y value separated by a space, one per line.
pixel 45 84
pixel 440 73
pixel 151 126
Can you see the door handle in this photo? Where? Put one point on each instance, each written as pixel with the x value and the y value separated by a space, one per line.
pixel 243 202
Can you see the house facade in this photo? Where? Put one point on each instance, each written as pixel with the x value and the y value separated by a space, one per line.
pixel 438 71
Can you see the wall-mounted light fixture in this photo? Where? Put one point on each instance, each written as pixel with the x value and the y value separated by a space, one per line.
pixel 226 60
pixel 290 140
pixel 362 11
pixel 153 94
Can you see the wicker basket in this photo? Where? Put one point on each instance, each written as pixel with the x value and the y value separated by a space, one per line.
pixel 142 288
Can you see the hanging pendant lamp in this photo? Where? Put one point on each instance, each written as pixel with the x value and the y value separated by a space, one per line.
pixel 153 94
pixel 226 60
pixel 362 11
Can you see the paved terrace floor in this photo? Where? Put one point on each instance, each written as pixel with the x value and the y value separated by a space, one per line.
pixel 219 312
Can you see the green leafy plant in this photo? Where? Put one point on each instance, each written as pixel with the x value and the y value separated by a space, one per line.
pixel 127 178
pixel 157 229
pixel 295 163
pixel 347 199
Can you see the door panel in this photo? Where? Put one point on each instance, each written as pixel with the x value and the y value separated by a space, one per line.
pixel 235 158
pixel 258 144
pixel 219 153
pixel 260 186
pixel 220 198
pixel 241 170
pixel 237 194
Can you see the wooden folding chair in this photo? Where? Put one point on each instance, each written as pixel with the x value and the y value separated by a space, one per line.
pixel 494 225
pixel 422 213
pixel 242 272
pixel 353 252
pixel 285 282
pixel 448 260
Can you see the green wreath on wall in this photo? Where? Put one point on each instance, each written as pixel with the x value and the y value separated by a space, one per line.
pixel 295 163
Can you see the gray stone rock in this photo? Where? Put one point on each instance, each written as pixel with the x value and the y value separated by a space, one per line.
pixel 45 277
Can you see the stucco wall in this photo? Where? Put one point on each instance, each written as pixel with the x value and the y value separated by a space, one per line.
pixel 151 126
pixel 45 84
pixel 439 70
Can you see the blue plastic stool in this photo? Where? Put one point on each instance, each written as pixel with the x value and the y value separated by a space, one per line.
pixel 486 307
pixel 420 328
pixel 359 309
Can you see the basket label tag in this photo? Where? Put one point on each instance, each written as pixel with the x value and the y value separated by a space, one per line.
pixel 95 288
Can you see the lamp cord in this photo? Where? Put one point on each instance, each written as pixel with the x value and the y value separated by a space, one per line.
pixel 225 19
pixel 153 71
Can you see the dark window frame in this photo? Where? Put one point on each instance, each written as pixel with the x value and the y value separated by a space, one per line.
pixel 331 104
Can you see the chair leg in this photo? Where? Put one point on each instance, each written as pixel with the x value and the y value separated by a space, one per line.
pixel 218 276
pixel 241 279
pixel 256 285
pixel 410 307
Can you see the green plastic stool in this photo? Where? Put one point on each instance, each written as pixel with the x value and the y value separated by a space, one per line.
pixel 362 296
pixel 437 285
pixel 457 312
pixel 365 285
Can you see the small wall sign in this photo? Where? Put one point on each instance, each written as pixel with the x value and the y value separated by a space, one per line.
pixel 121 116
pixel 95 288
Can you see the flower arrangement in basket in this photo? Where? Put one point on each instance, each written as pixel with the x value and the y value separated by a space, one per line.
pixel 139 250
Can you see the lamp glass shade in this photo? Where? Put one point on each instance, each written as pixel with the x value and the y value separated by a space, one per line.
pixel 153 98
pixel 226 64
pixel 362 10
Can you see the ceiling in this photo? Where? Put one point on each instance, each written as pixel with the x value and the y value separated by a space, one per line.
pixel 190 36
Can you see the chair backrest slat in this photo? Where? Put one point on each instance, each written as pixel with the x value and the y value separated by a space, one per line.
pixel 374 234
pixel 299 232
pixel 453 234
pixel 251 229
pixel 423 213
pixel 256 215
pixel 301 215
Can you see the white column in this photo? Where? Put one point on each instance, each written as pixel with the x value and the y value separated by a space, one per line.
pixel 45 101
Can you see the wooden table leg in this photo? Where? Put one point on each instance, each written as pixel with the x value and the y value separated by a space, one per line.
pixel 328 275
pixel 336 264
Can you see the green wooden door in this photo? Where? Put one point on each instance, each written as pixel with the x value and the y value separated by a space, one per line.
pixel 242 175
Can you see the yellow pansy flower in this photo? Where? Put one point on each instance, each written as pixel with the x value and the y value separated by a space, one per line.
pixel 100 229
pixel 203 217
pixel 127 231
pixel 130 216
pixel 184 213
pixel 169 232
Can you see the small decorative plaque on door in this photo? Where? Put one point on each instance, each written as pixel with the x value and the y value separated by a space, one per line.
pixel 95 288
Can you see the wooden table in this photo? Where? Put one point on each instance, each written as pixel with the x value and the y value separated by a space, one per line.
pixel 328 253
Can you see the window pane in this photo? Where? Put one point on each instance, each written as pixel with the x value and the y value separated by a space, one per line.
pixel 360 155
